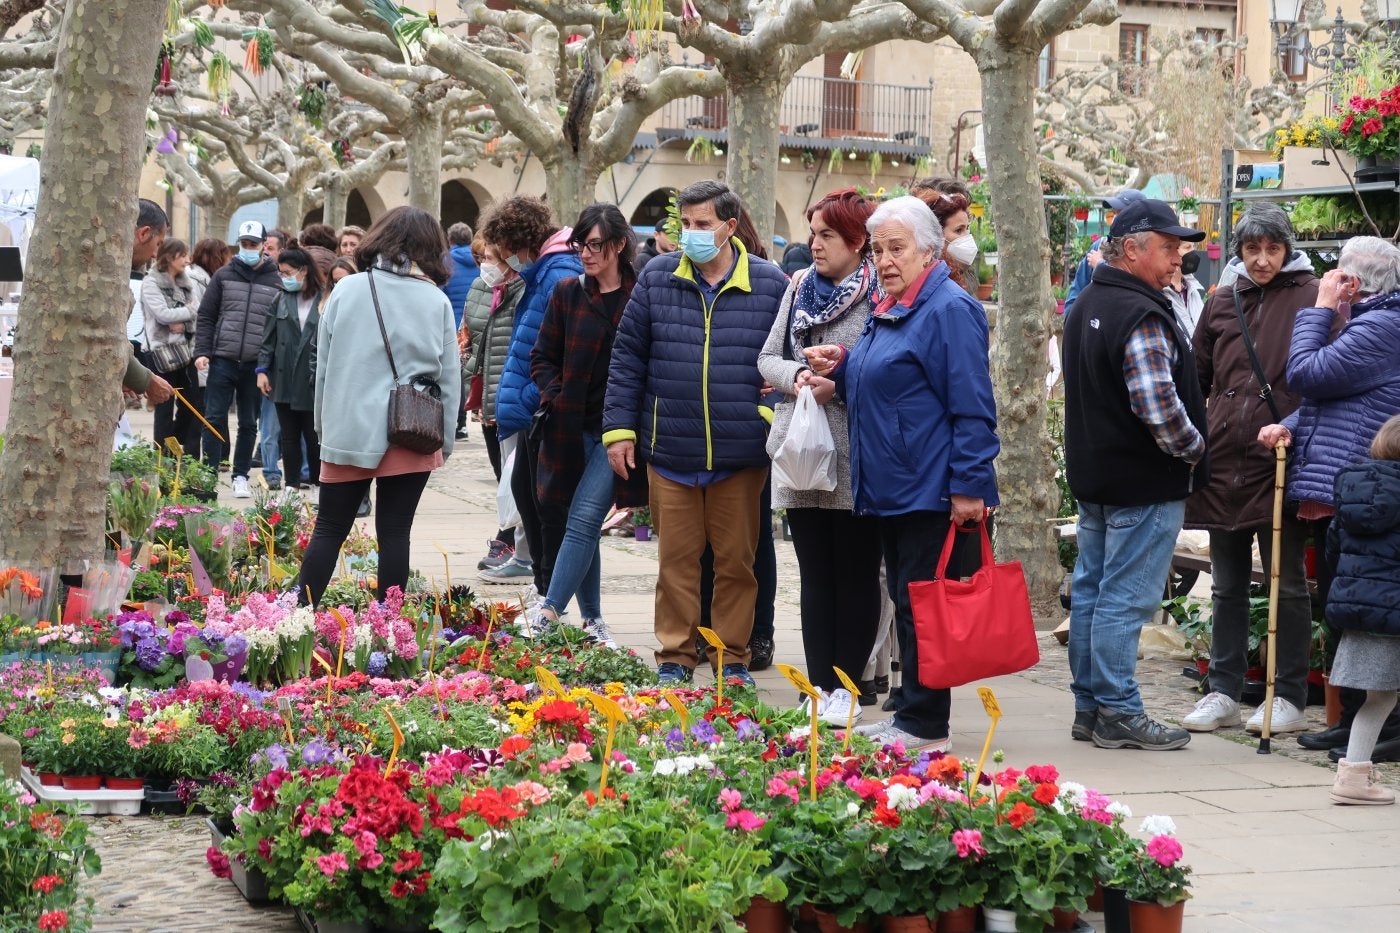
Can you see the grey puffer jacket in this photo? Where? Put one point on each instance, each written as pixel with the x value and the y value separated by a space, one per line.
pixel 490 332
pixel 782 373
pixel 235 310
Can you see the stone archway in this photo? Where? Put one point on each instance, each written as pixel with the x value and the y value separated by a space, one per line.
pixel 651 208
pixel 459 204
pixel 357 210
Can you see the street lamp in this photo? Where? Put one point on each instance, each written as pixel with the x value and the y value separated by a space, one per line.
pixel 1283 18
pixel 1388 12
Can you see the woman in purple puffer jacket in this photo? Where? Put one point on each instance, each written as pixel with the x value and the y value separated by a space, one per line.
pixel 1350 386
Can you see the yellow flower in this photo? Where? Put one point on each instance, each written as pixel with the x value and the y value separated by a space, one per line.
pixel 67 724
pixel 69 738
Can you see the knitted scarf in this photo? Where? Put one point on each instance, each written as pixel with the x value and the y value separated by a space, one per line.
pixel 809 311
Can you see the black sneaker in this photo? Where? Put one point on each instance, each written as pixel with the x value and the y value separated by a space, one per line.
pixel 740 673
pixel 868 693
pixel 760 654
pixel 882 683
pixel 1136 730
pixel 1084 722
pixel 273 482
pixel 498 552
pixel 672 674
pixel 364 508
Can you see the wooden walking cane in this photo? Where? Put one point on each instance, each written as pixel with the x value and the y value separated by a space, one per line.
pixel 1274 557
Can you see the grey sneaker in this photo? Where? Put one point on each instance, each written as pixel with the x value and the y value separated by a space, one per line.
pixel 1136 730
pixel 598 630
pixel 1084 722
pixel 497 553
pixel 887 733
pixel 512 569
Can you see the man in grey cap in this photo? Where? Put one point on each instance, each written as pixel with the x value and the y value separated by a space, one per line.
pixel 232 315
pixel 1135 448
pixel 1085 271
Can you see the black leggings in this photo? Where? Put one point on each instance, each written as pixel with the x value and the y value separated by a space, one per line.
pixel 298 426
pixel 838 556
pixel 173 418
pixel 396 501
pixel 522 487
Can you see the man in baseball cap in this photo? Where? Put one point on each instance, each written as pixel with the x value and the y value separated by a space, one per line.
pixel 252 231
pixel 1085 271
pixel 1149 216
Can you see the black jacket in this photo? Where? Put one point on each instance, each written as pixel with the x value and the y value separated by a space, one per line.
pixel 1365 537
pixel 1111 456
pixel 288 353
pixel 234 310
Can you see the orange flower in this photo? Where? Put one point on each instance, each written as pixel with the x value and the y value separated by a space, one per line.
pixel 1020 815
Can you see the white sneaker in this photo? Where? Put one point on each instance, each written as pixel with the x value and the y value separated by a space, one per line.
pixel 535 623
pixel 887 733
pixel 837 711
pixel 823 698
pixel 1212 711
pixel 240 488
pixel 1286 718
pixel 598 630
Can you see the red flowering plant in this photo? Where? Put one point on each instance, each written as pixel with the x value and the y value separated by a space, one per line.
pixel 45 854
pixel 1370 126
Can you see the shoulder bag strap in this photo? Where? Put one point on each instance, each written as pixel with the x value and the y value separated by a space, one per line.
pixel 797 280
pixel 374 294
pixel 1266 391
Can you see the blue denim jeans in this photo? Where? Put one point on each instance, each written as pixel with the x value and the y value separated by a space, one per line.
pixel 578 569
pixel 1125 552
pixel 270 440
pixel 230 380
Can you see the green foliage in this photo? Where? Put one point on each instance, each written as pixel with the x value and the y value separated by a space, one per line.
pixel 1069 506
pixel 45 841
pixel 1192 622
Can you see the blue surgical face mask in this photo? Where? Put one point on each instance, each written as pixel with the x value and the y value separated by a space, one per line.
pixel 514 262
pixel 291 283
pixel 251 256
pixel 699 245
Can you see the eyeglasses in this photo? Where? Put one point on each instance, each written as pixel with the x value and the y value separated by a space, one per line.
pixel 592 246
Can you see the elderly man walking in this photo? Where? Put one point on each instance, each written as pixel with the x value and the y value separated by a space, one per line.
pixel 683 392
pixel 1134 450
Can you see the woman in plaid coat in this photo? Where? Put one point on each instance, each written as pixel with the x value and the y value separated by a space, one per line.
pixel 570 365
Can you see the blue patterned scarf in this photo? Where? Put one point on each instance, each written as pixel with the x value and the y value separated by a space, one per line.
pixel 810 309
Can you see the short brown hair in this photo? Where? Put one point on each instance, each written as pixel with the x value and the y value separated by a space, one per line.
pixel 519 223
pixel 1386 446
pixel 322 235
pixel 459 234
pixel 406 234
pixel 210 254
pixel 939 184
pixel 169 249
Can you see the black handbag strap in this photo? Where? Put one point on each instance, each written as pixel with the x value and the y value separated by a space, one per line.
pixel 1266 391
pixel 792 306
pixel 374 294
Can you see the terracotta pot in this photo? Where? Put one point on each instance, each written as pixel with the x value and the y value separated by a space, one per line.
pixel 765 916
pixel 50 779
pixel 1096 899
pixel 1063 921
pixel 82 782
pixel 116 783
pixel 827 923
pixel 984 291
pixel 1151 917
pixel 914 923
pixel 1332 699
pixel 958 920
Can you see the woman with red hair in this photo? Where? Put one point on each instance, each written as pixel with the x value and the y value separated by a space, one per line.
pixel 838 552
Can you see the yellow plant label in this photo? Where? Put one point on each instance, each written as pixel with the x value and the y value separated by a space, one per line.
pixel 606 706
pixel 989 701
pixel 174 446
pixel 675 702
pixel 398 741
pixel 547 681
pixel 712 639
pixel 847 682
pixel 798 679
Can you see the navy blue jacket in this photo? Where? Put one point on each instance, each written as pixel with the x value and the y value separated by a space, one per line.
pixel 918 391
pixel 684 381
pixel 1349 387
pixel 1365 536
pixel 464 273
pixel 1083 275
pixel 517 396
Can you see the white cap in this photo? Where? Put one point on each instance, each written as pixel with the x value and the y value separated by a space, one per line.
pixel 251 230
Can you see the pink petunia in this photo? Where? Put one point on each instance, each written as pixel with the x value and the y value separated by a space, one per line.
pixel 968 842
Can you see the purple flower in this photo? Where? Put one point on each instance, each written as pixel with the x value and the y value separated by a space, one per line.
pixel 135 628
pixel 675 740
pixel 317 752
pixel 235 645
pixel 274 755
pixel 186 790
pixel 378 662
pixel 254 695
pixel 149 653
pixel 747 729
pixel 704 731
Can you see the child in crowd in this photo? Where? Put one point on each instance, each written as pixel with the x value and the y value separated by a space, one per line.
pixel 1364 603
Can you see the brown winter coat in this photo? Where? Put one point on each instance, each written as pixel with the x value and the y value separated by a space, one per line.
pixel 1240 493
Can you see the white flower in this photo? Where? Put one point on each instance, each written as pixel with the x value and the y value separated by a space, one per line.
pixel 485 840
pixel 1120 810
pixel 1157 826
pixel 900 797
pixel 664 767
pixel 686 764
pixel 853 810
pixel 1072 791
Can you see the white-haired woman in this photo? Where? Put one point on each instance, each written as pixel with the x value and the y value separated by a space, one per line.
pixel 1350 385
pixel 922 419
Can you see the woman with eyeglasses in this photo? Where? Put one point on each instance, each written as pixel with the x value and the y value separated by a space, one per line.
pixel 569 364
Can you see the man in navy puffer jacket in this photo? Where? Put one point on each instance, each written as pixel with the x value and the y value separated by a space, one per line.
pixel 683 396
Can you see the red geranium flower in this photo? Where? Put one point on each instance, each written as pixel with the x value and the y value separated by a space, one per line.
pixel 1020 815
pixel 53 920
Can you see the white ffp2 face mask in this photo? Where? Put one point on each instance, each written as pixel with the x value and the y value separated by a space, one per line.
pixel 491 274
pixel 963 250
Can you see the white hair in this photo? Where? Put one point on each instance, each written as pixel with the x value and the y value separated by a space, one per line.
pixel 913 214
pixel 1374 261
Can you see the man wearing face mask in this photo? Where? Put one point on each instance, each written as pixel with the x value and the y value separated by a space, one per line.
pixel 232 317
pixel 683 393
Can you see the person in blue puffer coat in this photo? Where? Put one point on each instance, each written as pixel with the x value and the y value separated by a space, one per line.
pixel 683 396
pixel 1350 385
pixel 532 245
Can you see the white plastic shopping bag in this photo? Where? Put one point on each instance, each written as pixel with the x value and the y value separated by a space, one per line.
pixel 507 515
pixel 806 459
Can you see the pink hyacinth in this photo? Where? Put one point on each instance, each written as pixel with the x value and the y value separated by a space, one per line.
pixel 968 842
pixel 1165 850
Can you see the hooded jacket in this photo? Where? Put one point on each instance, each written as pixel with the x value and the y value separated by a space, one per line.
pixel 1240 493
pixel 234 310
pixel 464 272
pixel 517 397
pixel 1350 387
pixel 1365 536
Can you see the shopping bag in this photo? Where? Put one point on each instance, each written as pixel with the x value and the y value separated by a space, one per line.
pixel 806 459
pixel 973 629
pixel 507 515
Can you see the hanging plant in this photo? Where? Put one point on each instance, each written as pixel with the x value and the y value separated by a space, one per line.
pixel 311 101
pixel 220 73
pixel 162 84
pixel 833 161
pixel 203 35
pixel 174 12
pixel 262 45
pixel 340 148
pixel 877 162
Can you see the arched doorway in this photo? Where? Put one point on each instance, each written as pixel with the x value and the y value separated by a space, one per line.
pixel 356 212
pixel 459 205
pixel 652 208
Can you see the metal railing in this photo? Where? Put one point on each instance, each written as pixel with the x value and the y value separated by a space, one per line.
pixel 824 109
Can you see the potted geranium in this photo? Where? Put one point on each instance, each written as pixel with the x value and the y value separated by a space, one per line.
pixel 1080 206
pixel 1155 880
pixel 1188 206
pixel 1370 129
pixel 46 852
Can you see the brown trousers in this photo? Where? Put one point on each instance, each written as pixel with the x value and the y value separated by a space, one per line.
pixel 724 514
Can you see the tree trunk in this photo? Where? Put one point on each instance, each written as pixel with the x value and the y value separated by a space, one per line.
pixel 753 148
pixel 220 214
pixel 291 208
pixel 1025 469
pixel 424 139
pixel 71 349
pixel 570 185
pixel 337 203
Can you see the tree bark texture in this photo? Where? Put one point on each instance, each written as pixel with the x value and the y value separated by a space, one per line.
pixel 424 139
pixel 291 208
pixel 337 205
pixel 71 349
pixel 220 216
pixel 753 147
pixel 1025 469
pixel 570 185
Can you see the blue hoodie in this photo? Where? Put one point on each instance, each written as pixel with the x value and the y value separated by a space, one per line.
pixel 464 273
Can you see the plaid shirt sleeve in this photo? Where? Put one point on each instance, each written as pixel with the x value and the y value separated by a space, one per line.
pixel 1147 368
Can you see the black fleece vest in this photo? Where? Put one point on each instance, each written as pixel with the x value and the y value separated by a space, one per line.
pixel 1111 457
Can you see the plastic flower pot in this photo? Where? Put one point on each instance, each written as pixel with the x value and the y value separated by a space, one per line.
pixel 1081 213
pixel 1151 917
pixel 1213 250
pixel 229 670
pixel 827 923
pixel 916 923
pixel 50 779
pixel 117 783
pixel 999 920
pixel 958 920
pixel 765 916
pixel 642 532
pixel 82 782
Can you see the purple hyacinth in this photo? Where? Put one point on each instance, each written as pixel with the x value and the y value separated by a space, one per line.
pixel 149 653
pixel 378 663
